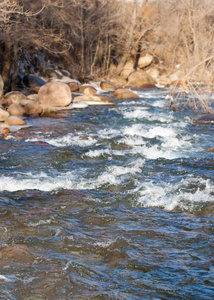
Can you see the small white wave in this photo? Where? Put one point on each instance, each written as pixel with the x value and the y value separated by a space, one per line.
pixel 80 140
pixel 5 278
pixel 98 153
pixel 181 194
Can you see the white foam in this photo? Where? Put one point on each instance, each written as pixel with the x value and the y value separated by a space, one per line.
pixel 80 140
pixel 172 195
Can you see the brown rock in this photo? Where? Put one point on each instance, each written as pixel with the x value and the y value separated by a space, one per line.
pixel 107 85
pixel 89 91
pixel 119 91
pixel 87 86
pixel 128 95
pixel 209 118
pixel 55 94
pixel 73 86
pixel 145 61
pixel 16 97
pixel 138 78
pixel 13 120
pixel 33 108
pixel 18 253
pixel 16 109
pixel 3 115
pixel 4 131
pixel 148 86
pixel 211 149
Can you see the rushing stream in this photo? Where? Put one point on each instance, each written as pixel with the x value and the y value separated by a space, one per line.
pixel 111 202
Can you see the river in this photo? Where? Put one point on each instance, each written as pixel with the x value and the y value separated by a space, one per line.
pixel 108 202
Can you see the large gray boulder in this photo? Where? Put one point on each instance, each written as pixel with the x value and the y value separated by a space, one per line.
pixel 55 93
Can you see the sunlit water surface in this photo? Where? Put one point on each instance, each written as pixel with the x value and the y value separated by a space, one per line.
pixel 111 202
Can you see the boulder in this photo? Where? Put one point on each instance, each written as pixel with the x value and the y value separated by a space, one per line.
pixel 1 86
pixel 145 60
pixel 138 78
pixel 51 73
pixel 15 97
pixel 87 86
pixel 154 72
pixel 13 120
pixel 209 118
pixel 55 93
pixel 127 95
pixel 89 91
pixel 127 69
pixel 107 85
pixel 119 91
pixel 3 115
pixel 74 87
pixel 16 109
pixel 148 86
pixel 33 97
pixel 32 81
pixel 32 108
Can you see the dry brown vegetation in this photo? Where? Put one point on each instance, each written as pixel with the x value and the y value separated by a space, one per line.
pixel 89 36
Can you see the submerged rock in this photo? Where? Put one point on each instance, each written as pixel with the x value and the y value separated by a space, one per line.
pixel 209 118
pixel 55 93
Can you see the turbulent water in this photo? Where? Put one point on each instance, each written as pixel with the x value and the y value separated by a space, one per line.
pixel 111 202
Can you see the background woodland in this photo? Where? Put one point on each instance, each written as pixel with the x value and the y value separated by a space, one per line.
pixel 100 38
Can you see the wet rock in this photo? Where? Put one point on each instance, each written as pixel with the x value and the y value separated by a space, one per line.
pixel 211 149
pixel 148 86
pixel 55 93
pixel 119 91
pixel 13 120
pixel 209 118
pixel 87 86
pixel 17 253
pixel 125 94
pixel 89 91
pixel 138 78
pixel 107 85
pixel 16 109
pixel 74 87
pixel 32 81
pixel 48 111
pixel 3 115
pixel 15 97
pixel 33 108
pixel 94 100
pixel 4 131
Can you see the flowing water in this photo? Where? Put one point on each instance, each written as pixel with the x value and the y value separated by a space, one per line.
pixel 111 202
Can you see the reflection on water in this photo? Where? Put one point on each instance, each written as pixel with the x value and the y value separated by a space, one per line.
pixel 108 203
